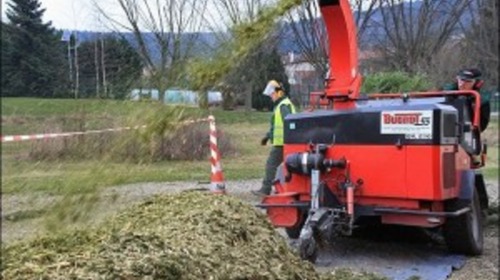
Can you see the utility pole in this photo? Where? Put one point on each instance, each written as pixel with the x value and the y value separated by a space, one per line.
pixel 103 67
pixel 77 79
pixel 70 61
pixel 66 37
pixel 96 62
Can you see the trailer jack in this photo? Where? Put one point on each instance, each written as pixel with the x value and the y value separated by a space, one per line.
pixel 320 229
pixel 323 223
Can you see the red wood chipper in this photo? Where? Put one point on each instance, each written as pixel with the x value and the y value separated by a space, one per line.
pixel 406 158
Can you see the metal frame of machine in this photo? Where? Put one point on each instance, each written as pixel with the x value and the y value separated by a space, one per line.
pixel 404 158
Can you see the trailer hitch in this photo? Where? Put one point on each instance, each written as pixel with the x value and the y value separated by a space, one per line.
pixel 323 223
pixel 320 229
pixel 315 233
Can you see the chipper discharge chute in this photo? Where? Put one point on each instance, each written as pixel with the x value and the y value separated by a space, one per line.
pixel 406 159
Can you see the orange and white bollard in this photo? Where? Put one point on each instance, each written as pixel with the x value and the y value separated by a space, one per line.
pixel 217 184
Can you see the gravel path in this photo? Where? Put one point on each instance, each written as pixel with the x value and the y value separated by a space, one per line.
pixel 21 213
pixel 356 253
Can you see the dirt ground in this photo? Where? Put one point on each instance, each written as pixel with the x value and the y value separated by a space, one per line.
pixel 23 217
pixel 485 266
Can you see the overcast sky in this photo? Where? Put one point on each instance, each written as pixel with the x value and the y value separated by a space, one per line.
pixel 67 14
pixel 76 14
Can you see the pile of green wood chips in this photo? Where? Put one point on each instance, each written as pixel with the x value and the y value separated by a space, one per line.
pixel 191 235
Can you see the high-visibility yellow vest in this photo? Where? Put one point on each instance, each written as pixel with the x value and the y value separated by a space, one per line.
pixel 278 121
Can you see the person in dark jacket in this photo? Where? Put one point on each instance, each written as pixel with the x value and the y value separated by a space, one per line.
pixel 470 79
pixel 282 107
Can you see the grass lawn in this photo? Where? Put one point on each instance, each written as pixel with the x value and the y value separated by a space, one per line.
pixel 76 184
pixel 82 176
pixel 490 135
pixel 34 115
pixel 27 116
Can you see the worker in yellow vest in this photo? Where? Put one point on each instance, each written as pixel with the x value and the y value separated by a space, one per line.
pixel 282 107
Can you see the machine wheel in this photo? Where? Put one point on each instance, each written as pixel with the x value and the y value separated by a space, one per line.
pixel 308 249
pixel 464 234
pixel 294 232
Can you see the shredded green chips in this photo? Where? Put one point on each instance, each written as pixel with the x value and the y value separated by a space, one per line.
pixel 191 235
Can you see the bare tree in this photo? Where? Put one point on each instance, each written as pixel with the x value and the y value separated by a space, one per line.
pixel 77 68
pixel 165 32
pixel 412 32
pixel 363 12
pixel 308 32
pixel 480 42
pixel 96 65
pixel 239 82
pixel 103 67
pixel 305 28
pixel 228 13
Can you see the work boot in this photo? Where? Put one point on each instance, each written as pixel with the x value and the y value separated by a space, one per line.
pixel 476 160
pixel 260 193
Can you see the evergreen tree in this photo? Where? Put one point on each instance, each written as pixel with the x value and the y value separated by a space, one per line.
pixel 6 43
pixel 253 73
pixel 269 67
pixel 272 69
pixel 118 64
pixel 32 54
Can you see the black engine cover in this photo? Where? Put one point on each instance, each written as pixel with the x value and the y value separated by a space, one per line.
pixel 430 121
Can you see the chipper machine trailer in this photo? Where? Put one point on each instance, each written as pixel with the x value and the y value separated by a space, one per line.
pixel 405 158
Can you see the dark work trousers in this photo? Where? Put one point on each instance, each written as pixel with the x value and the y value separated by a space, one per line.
pixel 273 161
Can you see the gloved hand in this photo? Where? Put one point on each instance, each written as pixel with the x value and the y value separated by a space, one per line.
pixel 264 140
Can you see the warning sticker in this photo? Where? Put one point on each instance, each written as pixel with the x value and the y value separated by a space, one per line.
pixel 413 124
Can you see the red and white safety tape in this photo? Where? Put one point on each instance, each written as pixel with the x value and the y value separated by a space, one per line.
pixel 18 138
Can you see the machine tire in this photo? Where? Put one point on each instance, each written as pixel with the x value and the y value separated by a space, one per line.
pixel 464 234
pixel 294 232
pixel 308 249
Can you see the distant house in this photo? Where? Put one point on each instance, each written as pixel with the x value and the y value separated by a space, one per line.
pixel 144 94
pixel 299 70
pixel 303 77
pixel 370 60
pixel 215 98
pixel 176 96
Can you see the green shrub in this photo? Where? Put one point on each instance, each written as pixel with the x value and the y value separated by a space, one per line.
pixel 165 137
pixel 394 82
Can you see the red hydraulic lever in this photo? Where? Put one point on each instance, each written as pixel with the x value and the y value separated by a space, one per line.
pixel 343 81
